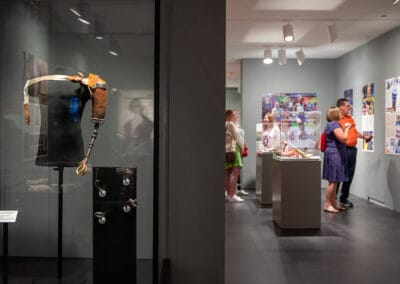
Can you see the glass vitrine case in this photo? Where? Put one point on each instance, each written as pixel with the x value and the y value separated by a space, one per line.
pixel 299 134
pixel 268 134
pixel 84 50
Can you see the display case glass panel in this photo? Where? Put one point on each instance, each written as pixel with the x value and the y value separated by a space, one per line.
pixel 299 135
pixel 268 137
pixel 116 41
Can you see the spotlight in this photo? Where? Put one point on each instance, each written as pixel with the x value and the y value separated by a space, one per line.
pixel 268 56
pixel 332 32
pixel 288 32
pixel 300 56
pixel 98 30
pixel 114 47
pixel 75 11
pixel 82 12
pixel 282 56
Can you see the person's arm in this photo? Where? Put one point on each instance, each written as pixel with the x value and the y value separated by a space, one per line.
pixel 342 134
pixel 234 131
pixel 367 138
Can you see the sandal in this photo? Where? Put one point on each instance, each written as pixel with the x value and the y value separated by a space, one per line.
pixel 331 209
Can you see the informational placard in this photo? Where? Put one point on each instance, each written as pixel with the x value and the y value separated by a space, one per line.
pixel 368 114
pixel 8 216
pixel 348 94
pixel 392 117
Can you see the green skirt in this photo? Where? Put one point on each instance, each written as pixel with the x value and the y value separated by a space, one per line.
pixel 238 160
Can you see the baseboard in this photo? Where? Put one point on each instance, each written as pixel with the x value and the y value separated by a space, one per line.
pixel 376 202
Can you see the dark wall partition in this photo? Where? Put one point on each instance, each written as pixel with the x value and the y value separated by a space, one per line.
pixel 192 116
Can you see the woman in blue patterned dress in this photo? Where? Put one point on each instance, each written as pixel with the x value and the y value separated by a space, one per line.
pixel 334 168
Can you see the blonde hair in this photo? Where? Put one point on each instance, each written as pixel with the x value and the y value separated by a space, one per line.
pixel 333 114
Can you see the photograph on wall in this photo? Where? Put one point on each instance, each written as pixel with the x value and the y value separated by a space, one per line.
pixel 392 116
pixel 368 114
pixel 348 94
pixel 279 103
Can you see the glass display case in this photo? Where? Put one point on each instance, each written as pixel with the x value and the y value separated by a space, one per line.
pixel 48 127
pixel 299 133
pixel 268 134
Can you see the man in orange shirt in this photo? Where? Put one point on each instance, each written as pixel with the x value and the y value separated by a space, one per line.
pixel 351 149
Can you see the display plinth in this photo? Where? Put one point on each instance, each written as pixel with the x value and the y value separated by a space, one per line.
pixel 114 225
pixel 296 193
pixel 264 179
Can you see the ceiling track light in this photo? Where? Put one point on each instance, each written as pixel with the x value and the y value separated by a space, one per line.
pixel 98 30
pixel 114 47
pixel 300 56
pixel 268 56
pixel 332 32
pixel 82 12
pixel 75 12
pixel 282 56
pixel 288 35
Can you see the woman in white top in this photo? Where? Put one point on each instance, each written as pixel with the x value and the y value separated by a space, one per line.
pixel 233 143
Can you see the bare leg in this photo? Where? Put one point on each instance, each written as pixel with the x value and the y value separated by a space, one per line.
pixel 228 173
pixel 330 195
pixel 232 179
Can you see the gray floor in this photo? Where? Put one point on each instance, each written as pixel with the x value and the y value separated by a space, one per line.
pixel 25 270
pixel 361 245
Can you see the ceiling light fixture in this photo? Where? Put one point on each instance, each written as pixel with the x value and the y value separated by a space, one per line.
pixel 288 35
pixel 282 56
pixel 395 2
pixel 114 47
pixel 75 11
pixel 300 56
pixel 82 12
pixel 98 30
pixel 332 32
pixel 268 56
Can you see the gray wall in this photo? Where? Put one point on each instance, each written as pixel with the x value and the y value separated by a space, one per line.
pixel 192 100
pixel 377 174
pixel 233 100
pixel 316 75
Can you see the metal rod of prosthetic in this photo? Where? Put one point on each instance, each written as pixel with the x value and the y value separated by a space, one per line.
pixel 82 167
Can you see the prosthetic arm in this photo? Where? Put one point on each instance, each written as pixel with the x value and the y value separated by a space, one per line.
pixel 98 93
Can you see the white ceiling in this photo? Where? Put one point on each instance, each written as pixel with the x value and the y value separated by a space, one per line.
pixel 254 25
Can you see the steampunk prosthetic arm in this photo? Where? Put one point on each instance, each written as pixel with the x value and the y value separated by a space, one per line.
pixel 98 93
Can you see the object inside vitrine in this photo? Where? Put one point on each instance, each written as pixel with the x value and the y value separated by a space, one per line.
pixel 62 99
pixel 299 134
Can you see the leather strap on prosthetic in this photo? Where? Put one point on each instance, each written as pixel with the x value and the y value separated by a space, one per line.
pixel 98 93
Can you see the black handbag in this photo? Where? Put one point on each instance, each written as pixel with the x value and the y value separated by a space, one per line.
pixel 230 157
